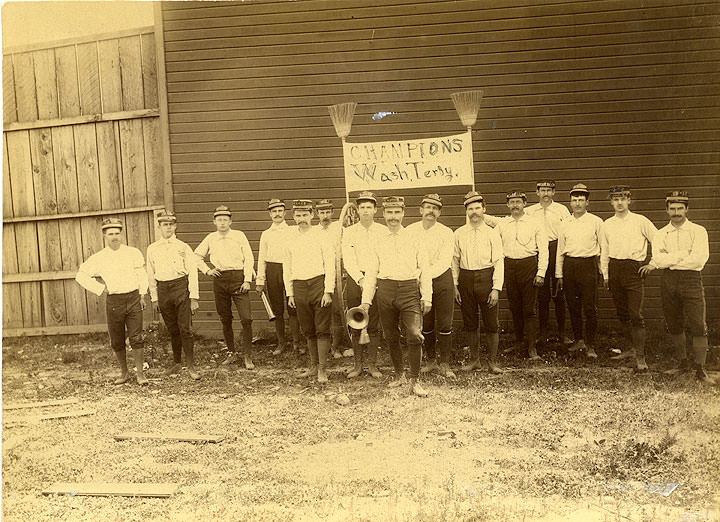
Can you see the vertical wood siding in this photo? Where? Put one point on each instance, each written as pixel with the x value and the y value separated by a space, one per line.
pixel 602 92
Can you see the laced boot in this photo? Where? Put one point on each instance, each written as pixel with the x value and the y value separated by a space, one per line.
pixel 122 361
pixel 683 364
pixel 323 350
pixel 312 348
pixel 416 389
pixel 638 335
pixel 400 380
pixel 358 357
pixel 280 333
pixel 474 361
pixel 493 341
pixel 139 370
pixel 700 346
pixel 372 350
pixel 625 353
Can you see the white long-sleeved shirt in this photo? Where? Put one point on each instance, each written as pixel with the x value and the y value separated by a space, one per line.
pixel 437 241
pixel 123 271
pixel 229 251
pixel 578 237
pixel 477 248
pixel 272 248
pixel 332 234
pixel 356 247
pixel 399 257
pixel 681 248
pixel 307 255
pixel 549 217
pixel 169 259
pixel 525 237
pixel 625 238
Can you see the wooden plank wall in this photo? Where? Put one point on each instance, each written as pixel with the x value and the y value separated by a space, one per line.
pixel 602 92
pixel 79 138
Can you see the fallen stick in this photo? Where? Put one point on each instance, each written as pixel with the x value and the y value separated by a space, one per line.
pixel 100 489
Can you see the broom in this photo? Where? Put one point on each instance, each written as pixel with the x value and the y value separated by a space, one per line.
pixel 467 104
pixel 342 116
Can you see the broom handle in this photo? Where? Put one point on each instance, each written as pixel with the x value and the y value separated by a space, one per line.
pixel 347 194
pixel 472 158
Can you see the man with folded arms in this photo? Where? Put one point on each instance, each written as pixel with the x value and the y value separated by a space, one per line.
pixel 173 278
pixel 233 271
pixel 526 260
pixel 122 268
pixel 437 240
pixel 309 274
pixel 357 246
pixel 397 263
pixel 577 266
pixel 681 249
pixel 478 273
pixel 270 274
pixel 623 249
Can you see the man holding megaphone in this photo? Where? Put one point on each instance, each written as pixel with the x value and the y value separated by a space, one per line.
pixel 357 244
pixel 397 263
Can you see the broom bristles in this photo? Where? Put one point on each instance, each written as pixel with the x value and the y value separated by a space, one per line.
pixel 467 104
pixel 342 116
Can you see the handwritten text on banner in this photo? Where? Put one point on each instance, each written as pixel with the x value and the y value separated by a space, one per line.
pixel 429 162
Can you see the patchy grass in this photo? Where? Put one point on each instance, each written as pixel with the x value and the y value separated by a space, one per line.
pixel 558 441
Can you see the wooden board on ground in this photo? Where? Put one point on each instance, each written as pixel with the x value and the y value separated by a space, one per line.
pixel 178 436
pixel 42 404
pixel 122 489
pixel 51 416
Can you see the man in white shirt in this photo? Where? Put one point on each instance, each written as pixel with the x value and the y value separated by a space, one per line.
pixel 357 251
pixel 526 260
pixel 550 214
pixel 270 275
pixel 173 278
pixel 122 268
pixel 681 249
pixel 437 241
pixel 309 273
pixel 331 229
pixel 577 267
pixel 623 249
pixel 478 273
pixel 233 271
pixel 397 263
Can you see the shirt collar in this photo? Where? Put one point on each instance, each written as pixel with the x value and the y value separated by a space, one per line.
pixel 684 226
pixel 275 226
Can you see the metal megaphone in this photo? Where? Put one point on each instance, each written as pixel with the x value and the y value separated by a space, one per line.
pixel 359 319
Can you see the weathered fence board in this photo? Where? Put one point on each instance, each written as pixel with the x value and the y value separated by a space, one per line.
pixel 9 108
pixel 110 80
pixel 25 97
pixel 66 71
pixel 46 84
pixel 131 73
pixel 89 78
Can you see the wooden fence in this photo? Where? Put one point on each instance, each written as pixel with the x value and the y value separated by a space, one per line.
pixel 80 143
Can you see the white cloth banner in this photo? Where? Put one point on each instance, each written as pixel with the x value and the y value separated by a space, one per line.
pixel 429 162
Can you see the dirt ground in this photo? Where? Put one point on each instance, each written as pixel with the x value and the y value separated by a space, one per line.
pixel 560 440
